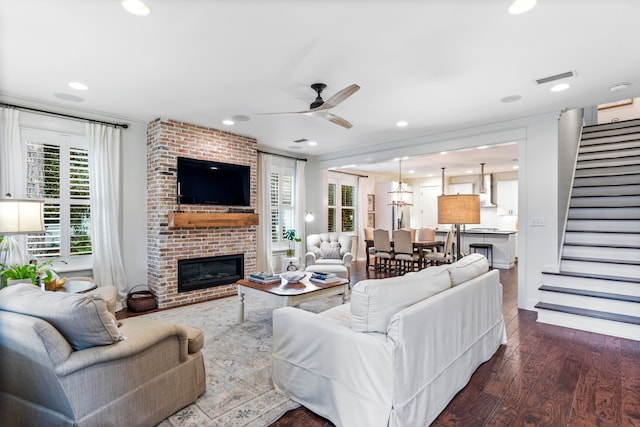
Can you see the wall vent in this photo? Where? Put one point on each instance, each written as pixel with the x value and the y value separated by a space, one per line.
pixel 556 77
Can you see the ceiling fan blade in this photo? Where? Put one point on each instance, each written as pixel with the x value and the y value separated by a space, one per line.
pixel 338 97
pixel 339 121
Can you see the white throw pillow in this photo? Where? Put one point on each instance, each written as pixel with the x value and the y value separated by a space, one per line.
pixel 82 319
pixel 374 302
pixel 467 268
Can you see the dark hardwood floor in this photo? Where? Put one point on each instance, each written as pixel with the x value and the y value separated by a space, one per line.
pixel 545 376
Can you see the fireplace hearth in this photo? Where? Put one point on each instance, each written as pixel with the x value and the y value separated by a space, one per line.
pixel 200 273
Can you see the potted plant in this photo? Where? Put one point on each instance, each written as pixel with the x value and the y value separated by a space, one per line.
pixel 290 235
pixel 30 273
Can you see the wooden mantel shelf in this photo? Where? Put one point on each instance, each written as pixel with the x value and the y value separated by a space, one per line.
pixel 211 219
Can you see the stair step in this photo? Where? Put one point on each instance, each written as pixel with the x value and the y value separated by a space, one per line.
pixel 617 212
pixel 603 301
pixel 596 283
pixel 601 253
pixel 604 201
pixel 601 239
pixel 610 146
pixel 621 261
pixel 607 190
pixel 604 225
pixel 609 154
pixel 617 245
pixel 633 178
pixel 634 320
pixel 605 138
pixel 609 162
pixel 600 268
pixel 588 293
pixel 590 324
pixel 605 170
pixel 604 127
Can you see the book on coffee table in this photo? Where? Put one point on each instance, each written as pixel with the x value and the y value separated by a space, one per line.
pixel 266 278
pixel 324 279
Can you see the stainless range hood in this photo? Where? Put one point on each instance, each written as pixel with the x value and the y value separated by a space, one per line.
pixel 489 201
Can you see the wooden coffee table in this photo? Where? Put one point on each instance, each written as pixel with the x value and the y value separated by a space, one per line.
pixel 289 294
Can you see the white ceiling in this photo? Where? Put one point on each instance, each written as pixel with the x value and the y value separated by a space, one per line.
pixel 438 64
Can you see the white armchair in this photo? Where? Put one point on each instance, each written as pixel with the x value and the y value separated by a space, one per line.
pixel 329 249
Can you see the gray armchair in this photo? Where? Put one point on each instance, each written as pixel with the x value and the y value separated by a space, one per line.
pixel 329 249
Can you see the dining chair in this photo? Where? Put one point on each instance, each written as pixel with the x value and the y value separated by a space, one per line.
pixel 371 251
pixel 404 253
pixel 382 245
pixel 445 257
pixel 427 234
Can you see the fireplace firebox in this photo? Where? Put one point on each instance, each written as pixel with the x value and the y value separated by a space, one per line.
pixel 200 273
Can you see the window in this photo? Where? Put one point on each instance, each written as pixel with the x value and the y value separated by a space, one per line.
pixel 57 171
pixel 281 196
pixel 341 201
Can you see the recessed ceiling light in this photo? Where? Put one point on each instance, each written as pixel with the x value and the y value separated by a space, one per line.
pixel 412 171
pixel 515 167
pixel 228 122
pixel 469 171
pixel 619 86
pixel 443 152
pixel 521 6
pixel 136 7
pixel 511 98
pixel 312 143
pixel 402 124
pixel 430 175
pixel 482 147
pixel 68 97
pixel 78 86
pixel 560 87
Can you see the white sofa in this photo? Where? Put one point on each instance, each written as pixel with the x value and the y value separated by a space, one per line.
pixel 398 352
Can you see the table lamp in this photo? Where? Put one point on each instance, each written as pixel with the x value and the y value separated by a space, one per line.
pixel 18 216
pixel 459 209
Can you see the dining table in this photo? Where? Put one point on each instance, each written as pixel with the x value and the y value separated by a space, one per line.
pixel 419 246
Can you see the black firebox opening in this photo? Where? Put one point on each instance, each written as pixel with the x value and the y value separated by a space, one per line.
pixel 200 273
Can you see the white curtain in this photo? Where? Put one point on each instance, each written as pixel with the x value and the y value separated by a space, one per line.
pixel 300 205
pixel 264 257
pixel 104 178
pixel 12 164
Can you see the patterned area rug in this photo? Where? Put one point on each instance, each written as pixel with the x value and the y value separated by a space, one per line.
pixel 237 362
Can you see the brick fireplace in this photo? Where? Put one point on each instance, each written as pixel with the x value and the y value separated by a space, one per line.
pixel 166 141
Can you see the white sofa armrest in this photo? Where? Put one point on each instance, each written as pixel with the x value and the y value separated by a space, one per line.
pixel 326 366
pixel 309 258
pixel 346 259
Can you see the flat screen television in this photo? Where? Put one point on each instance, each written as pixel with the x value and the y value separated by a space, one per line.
pixel 202 182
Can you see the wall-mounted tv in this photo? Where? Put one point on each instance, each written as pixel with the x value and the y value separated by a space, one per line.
pixel 202 182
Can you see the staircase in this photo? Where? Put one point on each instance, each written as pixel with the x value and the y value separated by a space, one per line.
pixel 598 286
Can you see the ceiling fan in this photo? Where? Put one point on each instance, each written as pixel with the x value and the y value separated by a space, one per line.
pixel 320 107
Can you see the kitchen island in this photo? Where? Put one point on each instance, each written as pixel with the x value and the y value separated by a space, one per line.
pixel 503 241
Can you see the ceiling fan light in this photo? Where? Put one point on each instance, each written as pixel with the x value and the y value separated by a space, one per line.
pixel 136 7
pixel 521 6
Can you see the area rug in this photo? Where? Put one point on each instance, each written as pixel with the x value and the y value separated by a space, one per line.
pixel 237 359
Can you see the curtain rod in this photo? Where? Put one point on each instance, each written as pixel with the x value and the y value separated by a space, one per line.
pixel 349 173
pixel 68 116
pixel 281 155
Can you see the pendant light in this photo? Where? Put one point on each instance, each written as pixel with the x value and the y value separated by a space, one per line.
pixel 401 196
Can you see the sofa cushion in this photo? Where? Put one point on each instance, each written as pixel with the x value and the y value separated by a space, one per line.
pixel 374 302
pixel 473 265
pixel 83 319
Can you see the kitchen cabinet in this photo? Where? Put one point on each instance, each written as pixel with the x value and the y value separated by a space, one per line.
pixel 503 241
pixel 507 197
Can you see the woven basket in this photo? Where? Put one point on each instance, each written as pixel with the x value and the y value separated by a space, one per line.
pixel 140 300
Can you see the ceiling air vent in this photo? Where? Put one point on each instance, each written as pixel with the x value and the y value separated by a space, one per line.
pixel 300 141
pixel 556 77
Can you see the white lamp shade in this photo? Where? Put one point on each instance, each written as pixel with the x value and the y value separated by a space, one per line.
pixel 21 216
